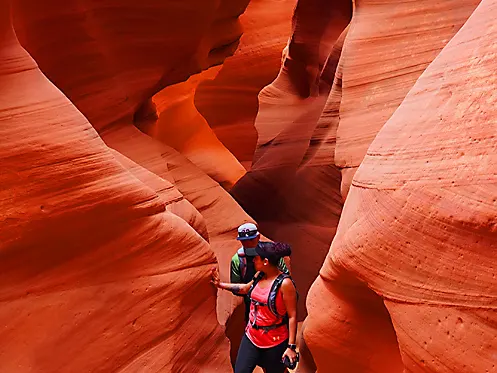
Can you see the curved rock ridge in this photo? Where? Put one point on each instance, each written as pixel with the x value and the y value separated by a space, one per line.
pixel 181 126
pixel 388 46
pixel 94 267
pixel 220 213
pixel 277 191
pixel 229 101
pixel 111 56
pixel 419 227
pixel 227 95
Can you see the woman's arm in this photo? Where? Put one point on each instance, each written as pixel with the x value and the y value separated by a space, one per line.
pixel 290 300
pixel 234 288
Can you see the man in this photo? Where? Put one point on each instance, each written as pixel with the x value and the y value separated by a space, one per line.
pixel 242 263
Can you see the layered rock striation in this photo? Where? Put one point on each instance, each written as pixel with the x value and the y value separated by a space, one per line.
pixel 279 189
pixel 409 282
pixel 110 58
pixel 95 264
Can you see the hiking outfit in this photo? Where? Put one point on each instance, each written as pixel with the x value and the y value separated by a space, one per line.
pixel 266 335
pixel 242 271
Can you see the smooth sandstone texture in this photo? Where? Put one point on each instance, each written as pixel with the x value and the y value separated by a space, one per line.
pixel 229 101
pixel 94 268
pixel 218 210
pixel 227 96
pixel 388 46
pixel 181 126
pixel 111 56
pixel 419 227
pixel 279 189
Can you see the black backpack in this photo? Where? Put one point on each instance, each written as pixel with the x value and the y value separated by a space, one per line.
pixel 271 301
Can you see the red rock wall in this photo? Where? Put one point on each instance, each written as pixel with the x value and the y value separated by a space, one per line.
pixel 408 284
pixel 226 96
pixel 388 46
pixel 179 125
pixel 417 240
pixel 94 266
pixel 229 101
pixel 279 189
pixel 111 56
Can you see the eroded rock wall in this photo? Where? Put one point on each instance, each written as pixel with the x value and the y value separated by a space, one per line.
pixel 278 191
pixel 417 238
pixel 95 264
pixel 388 46
pixel 212 114
pixel 110 58
pixel 229 101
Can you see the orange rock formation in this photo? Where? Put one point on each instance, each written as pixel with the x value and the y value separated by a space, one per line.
pixel 125 51
pixel 409 282
pixel 227 96
pixel 94 266
pixel 108 233
pixel 113 85
pixel 229 102
pixel 279 189
pixel 388 46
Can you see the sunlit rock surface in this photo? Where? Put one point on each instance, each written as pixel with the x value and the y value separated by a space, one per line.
pixel 409 283
pixel 95 263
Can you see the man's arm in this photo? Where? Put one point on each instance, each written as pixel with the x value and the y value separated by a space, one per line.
pixel 282 266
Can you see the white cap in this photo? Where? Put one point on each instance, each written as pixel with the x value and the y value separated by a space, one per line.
pixel 247 231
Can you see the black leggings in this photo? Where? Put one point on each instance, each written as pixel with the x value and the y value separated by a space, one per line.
pixel 249 356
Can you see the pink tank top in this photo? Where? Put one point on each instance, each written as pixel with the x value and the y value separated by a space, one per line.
pixel 264 317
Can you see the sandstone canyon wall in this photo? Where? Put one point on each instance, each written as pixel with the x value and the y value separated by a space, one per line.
pixel 337 87
pixel 179 124
pixel 388 46
pixel 217 108
pixel 108 232
pixel 110 57
pixel 229 101
pixel 288 112
pixel 94 262
pixel 409 282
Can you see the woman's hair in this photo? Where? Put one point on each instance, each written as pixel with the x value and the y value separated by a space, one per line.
pixel 273 251
pixel 274 260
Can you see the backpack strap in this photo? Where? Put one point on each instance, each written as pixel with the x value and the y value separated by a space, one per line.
pixel 243 262
pixel 271 301
pixel 256 280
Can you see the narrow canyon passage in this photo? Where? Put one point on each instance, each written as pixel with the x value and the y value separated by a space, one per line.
pixel 136 137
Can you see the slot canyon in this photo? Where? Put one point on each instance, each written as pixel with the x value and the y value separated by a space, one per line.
pixel 137 136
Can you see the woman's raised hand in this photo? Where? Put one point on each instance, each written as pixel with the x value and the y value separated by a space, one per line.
pixel 216 281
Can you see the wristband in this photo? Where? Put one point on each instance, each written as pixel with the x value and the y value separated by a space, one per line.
pixel 292 347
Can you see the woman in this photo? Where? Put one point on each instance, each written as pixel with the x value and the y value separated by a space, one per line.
pixel 271 332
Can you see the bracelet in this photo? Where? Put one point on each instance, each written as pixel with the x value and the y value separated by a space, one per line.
pixel 292 347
